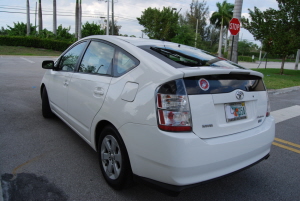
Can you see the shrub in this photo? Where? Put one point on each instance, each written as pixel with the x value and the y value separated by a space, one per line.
pixel 34 42
pixel 245 58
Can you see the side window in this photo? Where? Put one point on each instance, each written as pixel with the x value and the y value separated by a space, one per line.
pixel 124 63
pixel 97 59
pixel 69 60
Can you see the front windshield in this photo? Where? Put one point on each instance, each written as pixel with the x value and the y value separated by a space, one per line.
pixel 189 56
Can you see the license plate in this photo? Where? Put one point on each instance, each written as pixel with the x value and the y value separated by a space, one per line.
pixel 235 111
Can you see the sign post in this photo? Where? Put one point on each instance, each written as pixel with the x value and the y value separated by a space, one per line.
pixel 234 28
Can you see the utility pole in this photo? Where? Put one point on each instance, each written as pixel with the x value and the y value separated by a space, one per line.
pixel 107 19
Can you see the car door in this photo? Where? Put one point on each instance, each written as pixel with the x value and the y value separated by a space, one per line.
pixel 58 89
pixel 89 85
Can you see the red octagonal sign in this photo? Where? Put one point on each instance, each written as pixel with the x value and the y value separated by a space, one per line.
pixel 234 26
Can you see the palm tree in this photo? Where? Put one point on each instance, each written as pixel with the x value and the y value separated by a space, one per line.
pixel 79 20
pixel 236 14
pixel 28 18
pixel 221 19
pixel 76 19
pixel 54 17
pixel 40 17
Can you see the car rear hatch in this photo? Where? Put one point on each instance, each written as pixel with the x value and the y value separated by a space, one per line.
pixel 224 101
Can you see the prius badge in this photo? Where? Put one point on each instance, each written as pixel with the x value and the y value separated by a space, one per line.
pixel 239 95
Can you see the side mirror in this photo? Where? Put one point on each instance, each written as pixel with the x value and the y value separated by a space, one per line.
pixel 48 64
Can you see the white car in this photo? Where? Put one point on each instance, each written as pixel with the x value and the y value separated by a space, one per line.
pixel 167 114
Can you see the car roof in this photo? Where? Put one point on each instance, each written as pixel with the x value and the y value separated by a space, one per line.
pixel 132 40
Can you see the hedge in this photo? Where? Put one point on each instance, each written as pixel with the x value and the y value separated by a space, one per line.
pixel 34 42
pixel 247 59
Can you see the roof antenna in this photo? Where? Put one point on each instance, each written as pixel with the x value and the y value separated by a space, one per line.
pixel 178 45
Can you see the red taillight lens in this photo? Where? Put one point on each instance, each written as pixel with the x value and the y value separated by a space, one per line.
pixel 268 107
pixel 173 107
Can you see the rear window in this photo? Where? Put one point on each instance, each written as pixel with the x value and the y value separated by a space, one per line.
pixel 216 84
pixel 181 56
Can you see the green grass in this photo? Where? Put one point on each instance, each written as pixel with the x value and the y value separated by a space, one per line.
pixel 274 80
pixel 27 51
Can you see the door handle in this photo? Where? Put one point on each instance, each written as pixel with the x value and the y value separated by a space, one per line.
pixel 99 91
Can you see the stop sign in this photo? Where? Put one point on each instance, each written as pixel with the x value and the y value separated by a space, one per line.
pixel 234 26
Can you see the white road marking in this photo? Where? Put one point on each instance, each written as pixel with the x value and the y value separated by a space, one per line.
pixel 286 113
pixel 27 60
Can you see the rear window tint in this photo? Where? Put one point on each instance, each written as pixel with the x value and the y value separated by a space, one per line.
pixel 181 56
pixel 223 84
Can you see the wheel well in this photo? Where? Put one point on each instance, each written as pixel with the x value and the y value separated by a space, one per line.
pixel 41 89
pixel 100 126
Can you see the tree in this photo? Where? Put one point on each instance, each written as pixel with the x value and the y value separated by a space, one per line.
pixel 79 20
pixel 3 31
pixel 184 35
pixel 116 28
pixel 54 17
pixel 221 19
pixel 159 24
pixel 278 30
pixel 198 10
pixel 76 18
pixel 246 47
pixel 40 16
pixel 19 29
pixel 28 17
pixel 237 12
pixel 214 34
pixel 64 33
pixel 89 29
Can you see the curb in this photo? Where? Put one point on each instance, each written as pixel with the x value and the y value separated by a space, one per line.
pixel 284 90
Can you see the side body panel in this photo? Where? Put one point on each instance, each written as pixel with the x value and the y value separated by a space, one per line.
pixel 86 95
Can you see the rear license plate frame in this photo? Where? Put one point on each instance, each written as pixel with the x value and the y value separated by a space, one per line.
pixel 235 111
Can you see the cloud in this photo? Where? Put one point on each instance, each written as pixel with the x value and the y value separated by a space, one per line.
pixel 126 11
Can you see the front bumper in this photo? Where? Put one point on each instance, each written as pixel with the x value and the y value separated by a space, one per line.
pixel 180 159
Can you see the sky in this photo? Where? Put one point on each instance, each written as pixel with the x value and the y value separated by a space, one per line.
pixel 125 12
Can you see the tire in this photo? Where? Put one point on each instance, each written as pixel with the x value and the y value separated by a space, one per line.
pixel 113 159
pixel 46 110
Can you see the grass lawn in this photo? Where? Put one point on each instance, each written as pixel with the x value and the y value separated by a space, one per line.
pixel 27 51
pixel 274 80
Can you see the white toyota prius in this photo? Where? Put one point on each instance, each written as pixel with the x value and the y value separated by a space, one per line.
pixel 163 113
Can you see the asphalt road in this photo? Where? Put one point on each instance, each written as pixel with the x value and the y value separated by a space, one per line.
pixel 45 160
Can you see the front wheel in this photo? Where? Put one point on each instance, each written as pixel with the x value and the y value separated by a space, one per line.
pixel 113 158
pixel 46 110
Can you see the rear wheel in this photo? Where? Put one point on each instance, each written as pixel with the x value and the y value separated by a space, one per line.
pixel 113 158
pixel 46 110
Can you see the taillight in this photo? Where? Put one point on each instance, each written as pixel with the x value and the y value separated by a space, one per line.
pixel 173 108
pixel 268 112
pixel 268 106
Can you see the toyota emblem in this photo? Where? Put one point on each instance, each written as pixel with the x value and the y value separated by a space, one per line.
pixel 239 95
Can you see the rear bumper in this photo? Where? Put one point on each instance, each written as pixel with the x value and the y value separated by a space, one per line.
pixel 173 190
pixel 181 159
